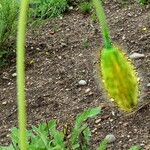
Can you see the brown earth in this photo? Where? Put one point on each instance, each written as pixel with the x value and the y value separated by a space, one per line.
pixel 60 53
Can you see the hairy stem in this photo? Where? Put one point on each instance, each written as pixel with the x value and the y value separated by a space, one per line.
pixel 103 23
pixel 21 36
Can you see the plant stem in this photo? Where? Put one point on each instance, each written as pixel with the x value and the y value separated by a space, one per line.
pixel 21 36
pixel 103 23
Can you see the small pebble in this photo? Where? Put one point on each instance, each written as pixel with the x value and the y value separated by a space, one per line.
pixel 94 130
pixel 125 124
pixel 90 93
pixel 136 56
pixel 71 7
pixel 9 83
pixel 4 103
pixel 110 138
pixel 148 85
pixel 14 74
pixel 97 121
pixel 82 82
pixel 111 120
pixel 113 113
pixel 80 55
pixel 59 57
pixel 87 90
pixel 123 37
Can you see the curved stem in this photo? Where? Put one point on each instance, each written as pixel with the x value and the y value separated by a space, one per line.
pixel 103 23
pixel 21 36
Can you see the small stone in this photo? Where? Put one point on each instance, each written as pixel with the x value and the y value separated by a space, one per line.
pixel 129 14
pixel 82 82
pixel 14 74
pixel 90 93
pixel 94 130
pixel 87 90
pixel 111 120
pixel 97 121
pixel 144 29
pixel 38 48
pixel 128 136
pixel 9 83
pixel 110 138
pixel 4 103
pixel 61 17
pixel 113 113
pixel 80 54
pixel 142 144
pixel 59 57
pixel 148 85
pixel 123 37
pixel 125 124
pixel 7 135
pixel 71 7
pixel 136 56
pixel 63 44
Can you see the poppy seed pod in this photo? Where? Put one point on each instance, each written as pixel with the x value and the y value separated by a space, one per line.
pixel 120 78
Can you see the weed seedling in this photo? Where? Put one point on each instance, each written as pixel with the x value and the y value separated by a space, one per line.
pixel 85 7
pixel 8 19
pixel 119 76
pixel 143 1
pixel 44 9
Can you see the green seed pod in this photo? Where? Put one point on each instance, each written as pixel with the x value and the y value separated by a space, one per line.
pixel 120 78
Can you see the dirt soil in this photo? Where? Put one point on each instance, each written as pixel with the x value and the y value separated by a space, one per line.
pixel 64 51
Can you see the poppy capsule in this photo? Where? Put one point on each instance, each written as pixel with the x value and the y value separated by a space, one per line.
pixel 120 78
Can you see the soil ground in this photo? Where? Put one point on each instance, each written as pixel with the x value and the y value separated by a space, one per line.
pixel 62 52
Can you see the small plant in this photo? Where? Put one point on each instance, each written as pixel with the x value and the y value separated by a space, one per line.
pixel 8 17
pixel 85 7
pixel 119 76
pixel 86 43
pixel 143 1
pixel 47 8
pixel 135 148
pixel 47 137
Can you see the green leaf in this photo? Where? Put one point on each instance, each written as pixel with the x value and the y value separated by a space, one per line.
pixel 57 135
pixel 103 145
pixel 7 148
pixel 80 127
pixel 42 137
pixel 92 112
pixel 135 148
pixel 87 134
pixel 15 135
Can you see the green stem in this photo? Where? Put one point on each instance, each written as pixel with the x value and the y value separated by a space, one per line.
pixel 103 23
pixel 21 74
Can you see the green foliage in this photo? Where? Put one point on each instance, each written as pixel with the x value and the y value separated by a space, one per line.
pixel 47 137
pixel 47 8
pixel 81 131
pixel 143 1
pixel 103 145
pixel 8 18
pixel 85 7
pixel 135 148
